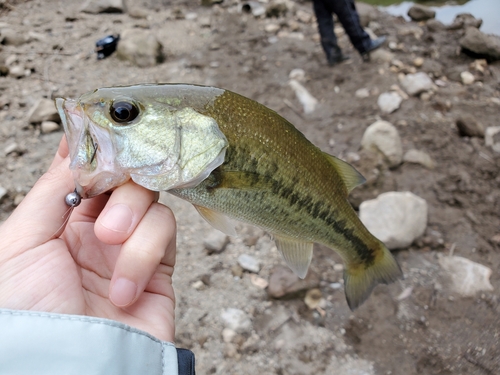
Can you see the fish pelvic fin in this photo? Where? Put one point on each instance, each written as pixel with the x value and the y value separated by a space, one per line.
pixel 347 172
pixel 297 254
pixel 217 220
pixel 360 279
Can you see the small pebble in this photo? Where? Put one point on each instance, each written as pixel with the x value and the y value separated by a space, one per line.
pixel 49 127
pixel 496 239
pixel 338 267
pixel 362 93
pixel 18 199
pixel 352 157
pixel 198 285
pixel 228 335
pixel 13 147
pixel 249 263
pixel 313 298
pixel 191 16
pixel 259 282
pixel 11 60
pixel 237 271
pixel 272 28
pixel 335 285
pixel 467 78
pixel 215 242
pixel 17 71
pixel 418 62
pixel 251 240
pixel 236 320
pixel 3 193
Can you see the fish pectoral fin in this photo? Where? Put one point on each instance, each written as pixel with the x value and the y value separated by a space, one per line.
pixel 217 220
pixel 297 254
pixel 349 174
pixel 241 180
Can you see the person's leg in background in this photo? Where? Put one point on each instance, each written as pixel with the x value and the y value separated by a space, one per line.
pixel 329 43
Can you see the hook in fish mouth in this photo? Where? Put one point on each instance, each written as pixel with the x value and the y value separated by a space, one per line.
pixel 96 146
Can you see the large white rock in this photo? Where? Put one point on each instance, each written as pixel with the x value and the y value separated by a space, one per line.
pixel 395 218
pixel 481 43
pixel 236 320
pixel 467 277
pixel 388 102
pixel 141 47
pixel 421 13
pixel 415 84
pixel 383 137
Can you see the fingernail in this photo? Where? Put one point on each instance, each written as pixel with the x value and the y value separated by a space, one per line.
pixel 118 218
pixel 123 292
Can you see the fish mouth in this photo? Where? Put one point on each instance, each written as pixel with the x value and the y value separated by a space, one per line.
pixel 90 150
pixel 71 115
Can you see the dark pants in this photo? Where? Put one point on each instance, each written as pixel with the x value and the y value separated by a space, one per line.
pixel 348 17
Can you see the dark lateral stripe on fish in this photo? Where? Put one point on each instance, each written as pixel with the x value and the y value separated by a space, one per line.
pixel 318 210
pixel 366 255
pixel 315 209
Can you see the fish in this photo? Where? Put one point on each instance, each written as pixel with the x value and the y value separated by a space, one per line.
pixel 233 159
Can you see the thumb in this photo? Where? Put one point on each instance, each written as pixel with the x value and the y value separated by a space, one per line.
pixel 41 213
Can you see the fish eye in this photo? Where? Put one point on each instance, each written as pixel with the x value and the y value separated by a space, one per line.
pixel 123 112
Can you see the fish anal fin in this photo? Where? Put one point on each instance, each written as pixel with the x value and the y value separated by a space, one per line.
pixel 297 254
pixel 217 220
pixel 359 279
pixel 349 174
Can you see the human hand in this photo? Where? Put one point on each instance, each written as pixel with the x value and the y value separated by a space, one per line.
pixel 114 258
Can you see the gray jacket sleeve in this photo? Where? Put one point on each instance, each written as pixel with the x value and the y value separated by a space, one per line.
pixel 44 343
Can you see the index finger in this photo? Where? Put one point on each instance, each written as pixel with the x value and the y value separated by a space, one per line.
pixel 123 211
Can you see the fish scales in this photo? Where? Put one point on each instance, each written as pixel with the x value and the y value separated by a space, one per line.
pixel 229 156
pixel 300 193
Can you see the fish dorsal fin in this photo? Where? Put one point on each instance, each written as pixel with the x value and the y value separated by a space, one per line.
pixel 297 254
pixel 349 174
pixel 217 220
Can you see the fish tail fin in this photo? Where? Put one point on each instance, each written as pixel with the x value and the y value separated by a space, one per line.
pixel 360 279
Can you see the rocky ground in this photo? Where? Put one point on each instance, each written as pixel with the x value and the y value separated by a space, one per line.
pixel 439 144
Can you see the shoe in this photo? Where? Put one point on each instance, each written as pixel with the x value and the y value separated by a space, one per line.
pixel 334 55
pixel 374 44
pixel 337 58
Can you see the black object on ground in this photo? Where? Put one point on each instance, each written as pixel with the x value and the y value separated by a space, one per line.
pixel 106 46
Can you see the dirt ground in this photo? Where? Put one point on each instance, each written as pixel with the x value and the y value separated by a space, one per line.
pixel 432 331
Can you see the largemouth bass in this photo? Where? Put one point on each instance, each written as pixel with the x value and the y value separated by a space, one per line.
pixel 230 157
